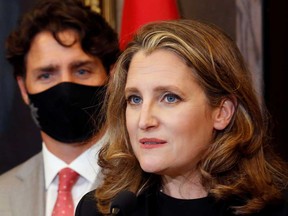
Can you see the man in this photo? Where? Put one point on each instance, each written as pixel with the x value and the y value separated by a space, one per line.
pixel 62 53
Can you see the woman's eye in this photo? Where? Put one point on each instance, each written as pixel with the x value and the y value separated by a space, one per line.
pixel 133 99
pixel 171 98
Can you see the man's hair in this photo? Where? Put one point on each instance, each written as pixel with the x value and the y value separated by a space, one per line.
pixel 95 35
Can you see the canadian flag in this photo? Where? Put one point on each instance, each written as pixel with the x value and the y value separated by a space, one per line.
pixel 136 13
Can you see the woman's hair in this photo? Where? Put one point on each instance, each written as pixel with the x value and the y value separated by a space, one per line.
pixel 95 35
pixel 239 162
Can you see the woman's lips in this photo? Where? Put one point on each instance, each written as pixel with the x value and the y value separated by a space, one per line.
pixel 151 142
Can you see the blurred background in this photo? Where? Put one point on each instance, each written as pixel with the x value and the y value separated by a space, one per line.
pixel 260 28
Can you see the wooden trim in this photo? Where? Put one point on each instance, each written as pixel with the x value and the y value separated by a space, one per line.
pixel 106 8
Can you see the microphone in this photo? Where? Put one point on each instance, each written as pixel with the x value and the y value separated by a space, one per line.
pixel 124 202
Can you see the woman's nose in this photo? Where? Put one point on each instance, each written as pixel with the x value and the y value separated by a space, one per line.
pixel 148 117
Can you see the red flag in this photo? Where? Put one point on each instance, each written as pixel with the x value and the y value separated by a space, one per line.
pixel 136 13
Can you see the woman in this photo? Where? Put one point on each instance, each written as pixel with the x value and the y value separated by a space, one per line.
pixel 187 134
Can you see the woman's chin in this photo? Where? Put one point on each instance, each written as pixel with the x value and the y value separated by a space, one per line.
pixel 150 167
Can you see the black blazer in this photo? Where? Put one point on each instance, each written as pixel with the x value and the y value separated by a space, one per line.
pixel 145 206
pixel 87 206
pixel 148 205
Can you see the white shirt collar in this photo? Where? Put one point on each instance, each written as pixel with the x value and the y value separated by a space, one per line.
pixel 85 164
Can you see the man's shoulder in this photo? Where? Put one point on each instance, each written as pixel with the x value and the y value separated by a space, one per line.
pixel 24 169
pixel 22 189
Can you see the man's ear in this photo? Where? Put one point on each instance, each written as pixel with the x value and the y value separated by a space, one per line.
pixel 224 114
pixel 23 90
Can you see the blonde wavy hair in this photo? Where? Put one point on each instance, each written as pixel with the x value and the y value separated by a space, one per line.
pixel 239 162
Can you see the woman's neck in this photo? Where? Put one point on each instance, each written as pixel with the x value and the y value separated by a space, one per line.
pixel 183 187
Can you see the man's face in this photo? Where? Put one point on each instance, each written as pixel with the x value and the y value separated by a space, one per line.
pixel 48 63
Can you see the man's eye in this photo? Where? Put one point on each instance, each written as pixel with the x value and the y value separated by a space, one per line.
pixel 82 71
pixel 133 99
pixel 171 98
pixel 44 76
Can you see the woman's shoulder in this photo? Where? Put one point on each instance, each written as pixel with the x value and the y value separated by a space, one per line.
pixel 87 205
pixel 275 209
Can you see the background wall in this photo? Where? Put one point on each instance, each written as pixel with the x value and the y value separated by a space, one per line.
pixel 222 13
pixel 19 137
pixel 276 69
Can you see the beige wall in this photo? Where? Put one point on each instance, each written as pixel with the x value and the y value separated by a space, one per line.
pixel 221 13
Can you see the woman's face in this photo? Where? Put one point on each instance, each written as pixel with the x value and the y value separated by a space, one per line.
pixel 169 121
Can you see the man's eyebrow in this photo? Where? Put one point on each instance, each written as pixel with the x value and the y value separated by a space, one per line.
pixel 47 68
pixel 77 64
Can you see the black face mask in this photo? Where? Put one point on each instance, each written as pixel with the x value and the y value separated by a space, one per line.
pixel 69 112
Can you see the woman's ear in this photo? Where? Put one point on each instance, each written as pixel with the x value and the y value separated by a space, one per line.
pixel 112 70
pixel 224 114
pixel 22 87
